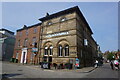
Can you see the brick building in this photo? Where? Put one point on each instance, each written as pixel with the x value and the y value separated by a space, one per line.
pixel 62 37
pixel 27 39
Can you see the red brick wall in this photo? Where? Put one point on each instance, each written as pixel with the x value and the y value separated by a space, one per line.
pixel 30 36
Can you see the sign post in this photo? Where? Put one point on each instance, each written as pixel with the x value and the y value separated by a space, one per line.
pixel 77 63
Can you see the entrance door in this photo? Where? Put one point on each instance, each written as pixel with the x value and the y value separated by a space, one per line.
pixel 50 59
pixel 24 56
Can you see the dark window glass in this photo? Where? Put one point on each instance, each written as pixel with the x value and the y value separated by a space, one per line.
pixel 51 50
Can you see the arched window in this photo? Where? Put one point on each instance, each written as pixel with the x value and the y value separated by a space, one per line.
pixel 66 50
pixel 51 50
pixel 60 50
pixel 46 50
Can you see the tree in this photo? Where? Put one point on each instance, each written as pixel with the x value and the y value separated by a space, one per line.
pixel 110 56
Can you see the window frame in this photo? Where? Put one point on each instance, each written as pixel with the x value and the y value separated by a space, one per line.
pixel 66 50
pixel 35 30
pixel 25 42
pixel 51 51
pixel 46 50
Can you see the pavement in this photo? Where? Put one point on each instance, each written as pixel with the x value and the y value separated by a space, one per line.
pixel 82 70
pixel 16 70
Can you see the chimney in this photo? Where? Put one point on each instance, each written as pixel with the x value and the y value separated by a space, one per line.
pixel 47 14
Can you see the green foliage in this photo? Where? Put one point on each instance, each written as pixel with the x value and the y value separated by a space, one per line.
pixel 110 56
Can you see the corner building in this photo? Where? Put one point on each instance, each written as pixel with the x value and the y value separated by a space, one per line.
pixel 66 36
pixel 61 38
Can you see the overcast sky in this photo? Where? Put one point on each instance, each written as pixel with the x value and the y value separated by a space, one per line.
pixel 101 16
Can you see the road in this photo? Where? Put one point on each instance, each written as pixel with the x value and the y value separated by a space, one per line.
pixel 20 71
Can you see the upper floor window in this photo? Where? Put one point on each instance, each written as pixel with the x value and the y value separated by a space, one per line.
pixel 35 30
pixel 34 41
pixel 18 43
pixel 25 42
pixel 63 19
pixel 49 23
pixel 26 32
pixel 20 34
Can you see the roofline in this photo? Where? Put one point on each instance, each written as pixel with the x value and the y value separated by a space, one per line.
pixel 67 11
pixel 29 27
pixel 3 29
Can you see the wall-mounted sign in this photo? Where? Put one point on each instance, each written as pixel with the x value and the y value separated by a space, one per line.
pixel 56 34
pixel 77 62
pixel 73 52
pixel 34 49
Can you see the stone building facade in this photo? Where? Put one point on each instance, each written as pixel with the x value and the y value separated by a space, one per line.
pixel 63 37
pixel 66 36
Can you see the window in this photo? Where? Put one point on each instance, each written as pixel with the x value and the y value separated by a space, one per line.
pixel 20 34
pixel 25 42
pixel 18 43
pixel 60 50
pixel 66 50
pixel 17 54
pixel 34 40
pixel 46 50
pixel 51 50
pixel 62 19
pixel 49 23
pixel 26 32
pixel 35 30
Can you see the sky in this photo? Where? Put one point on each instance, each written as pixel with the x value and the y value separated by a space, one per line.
pixel 102 17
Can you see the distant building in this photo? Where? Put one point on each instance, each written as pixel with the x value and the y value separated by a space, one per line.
pixel 61 38
pixel 7 41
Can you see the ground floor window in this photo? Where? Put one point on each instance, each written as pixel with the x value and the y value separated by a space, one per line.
pixel 17 54
pixel 60 50
pixel 46 50
pixel 66 50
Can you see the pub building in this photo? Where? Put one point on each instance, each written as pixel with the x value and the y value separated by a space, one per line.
pixel 64 37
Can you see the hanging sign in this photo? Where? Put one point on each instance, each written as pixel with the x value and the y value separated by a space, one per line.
pixel 34 49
